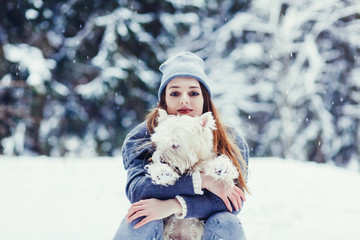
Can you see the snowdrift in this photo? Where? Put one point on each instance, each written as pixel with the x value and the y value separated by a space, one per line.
pixel 84 199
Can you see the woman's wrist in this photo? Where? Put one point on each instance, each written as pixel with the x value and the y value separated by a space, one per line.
pixel 204 180
pixel 175 205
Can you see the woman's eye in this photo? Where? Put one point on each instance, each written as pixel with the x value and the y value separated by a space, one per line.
pixel 174 94
pixel 194 94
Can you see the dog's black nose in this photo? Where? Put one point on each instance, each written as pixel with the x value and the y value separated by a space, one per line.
pixel 175 146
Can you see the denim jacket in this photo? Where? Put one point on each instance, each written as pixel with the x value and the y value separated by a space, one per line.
pixel 136 151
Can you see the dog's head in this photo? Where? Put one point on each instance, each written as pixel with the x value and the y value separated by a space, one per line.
pixel 182 140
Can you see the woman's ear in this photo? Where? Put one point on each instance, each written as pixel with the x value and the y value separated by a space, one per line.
pixel 162 114
pixel 208 121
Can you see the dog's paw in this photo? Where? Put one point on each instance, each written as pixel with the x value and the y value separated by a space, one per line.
pixel 221 169
pixel 162 174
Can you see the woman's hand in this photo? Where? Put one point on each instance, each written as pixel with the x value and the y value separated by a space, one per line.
pixel 227 194
pixel 152 209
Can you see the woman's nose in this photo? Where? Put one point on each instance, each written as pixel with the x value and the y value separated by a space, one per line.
pixel 184 100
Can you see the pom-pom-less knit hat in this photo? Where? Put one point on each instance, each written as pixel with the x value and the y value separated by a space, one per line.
pixel 185 64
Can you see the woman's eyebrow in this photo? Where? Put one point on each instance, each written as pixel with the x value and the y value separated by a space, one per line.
pixel 179 87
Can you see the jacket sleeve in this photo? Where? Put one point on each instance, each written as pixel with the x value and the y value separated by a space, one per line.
pixel 203 206
pixel 136 150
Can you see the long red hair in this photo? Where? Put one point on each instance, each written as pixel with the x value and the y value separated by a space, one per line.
pixel 223 144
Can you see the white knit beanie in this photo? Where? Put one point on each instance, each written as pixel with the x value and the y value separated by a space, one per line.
pixel 184 64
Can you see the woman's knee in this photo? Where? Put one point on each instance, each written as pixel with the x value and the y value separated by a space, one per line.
pixel 223 225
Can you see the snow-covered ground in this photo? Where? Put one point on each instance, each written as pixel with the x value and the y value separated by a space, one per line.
pixel 83 199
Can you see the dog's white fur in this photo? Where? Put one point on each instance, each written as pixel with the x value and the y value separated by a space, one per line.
pixel 184 144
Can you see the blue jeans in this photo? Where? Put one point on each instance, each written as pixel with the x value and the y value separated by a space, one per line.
pixel 221 225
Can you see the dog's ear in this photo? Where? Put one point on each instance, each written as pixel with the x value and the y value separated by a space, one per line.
pixel 162 114
pixel 208 121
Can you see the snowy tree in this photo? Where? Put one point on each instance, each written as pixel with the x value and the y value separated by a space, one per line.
pixel 291 62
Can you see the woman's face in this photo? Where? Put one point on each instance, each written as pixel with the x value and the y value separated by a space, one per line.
pixel 183 96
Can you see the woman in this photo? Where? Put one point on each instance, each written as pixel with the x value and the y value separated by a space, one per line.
pixel 183 90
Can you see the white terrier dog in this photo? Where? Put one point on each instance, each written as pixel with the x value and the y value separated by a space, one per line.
pixel 184 144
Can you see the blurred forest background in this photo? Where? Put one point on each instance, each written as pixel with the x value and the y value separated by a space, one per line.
pixel 77 75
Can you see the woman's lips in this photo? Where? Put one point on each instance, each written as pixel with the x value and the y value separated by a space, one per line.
pixel 184 111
